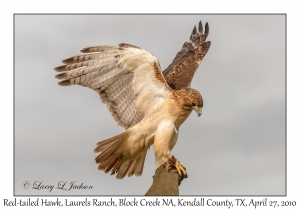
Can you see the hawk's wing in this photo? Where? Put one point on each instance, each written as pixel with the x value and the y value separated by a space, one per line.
pixel 128 79
pixel 180 72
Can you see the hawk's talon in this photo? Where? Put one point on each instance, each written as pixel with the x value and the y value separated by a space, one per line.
pixel 174 166
pixel 180 168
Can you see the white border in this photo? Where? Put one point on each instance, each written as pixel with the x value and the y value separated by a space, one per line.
pixel 54 6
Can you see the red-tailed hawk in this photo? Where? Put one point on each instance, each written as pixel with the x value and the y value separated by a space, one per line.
pixel 150 104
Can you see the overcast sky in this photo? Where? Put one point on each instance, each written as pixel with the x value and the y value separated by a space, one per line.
pixel 237 146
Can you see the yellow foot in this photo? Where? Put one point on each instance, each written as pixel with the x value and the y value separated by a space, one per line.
pixel 174 166
pixel 180 168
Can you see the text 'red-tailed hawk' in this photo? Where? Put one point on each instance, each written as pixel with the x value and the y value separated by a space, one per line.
pixel 150 104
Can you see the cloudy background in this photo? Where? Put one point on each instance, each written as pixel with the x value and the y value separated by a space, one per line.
pixel 237 146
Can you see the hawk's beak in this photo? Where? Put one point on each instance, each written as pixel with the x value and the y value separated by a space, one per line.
pixel 198 110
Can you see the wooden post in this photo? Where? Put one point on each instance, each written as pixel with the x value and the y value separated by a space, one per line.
pixel 164 183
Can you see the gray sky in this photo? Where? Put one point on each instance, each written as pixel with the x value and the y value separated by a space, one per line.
pixel 237 146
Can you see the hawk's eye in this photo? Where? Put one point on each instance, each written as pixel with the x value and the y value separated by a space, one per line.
pixel 193 104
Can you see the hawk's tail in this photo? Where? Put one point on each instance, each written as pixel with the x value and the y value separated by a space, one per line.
pixel 113 157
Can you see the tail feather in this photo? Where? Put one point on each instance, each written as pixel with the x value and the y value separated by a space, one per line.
pixel 124 167
pixel 104 147
pixel 131 168
pixel 114 156
pixel 111 165
pixel 105 144
pixel 139 165
pixel 106 153
pixel 103 165
pixel 116 167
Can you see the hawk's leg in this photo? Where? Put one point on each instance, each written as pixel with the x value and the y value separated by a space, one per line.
pixel 174 166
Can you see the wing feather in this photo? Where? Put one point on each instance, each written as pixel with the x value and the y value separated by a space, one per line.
pixel 127 78
pixel 180 72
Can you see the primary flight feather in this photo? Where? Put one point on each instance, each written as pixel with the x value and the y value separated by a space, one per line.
pixel 150 104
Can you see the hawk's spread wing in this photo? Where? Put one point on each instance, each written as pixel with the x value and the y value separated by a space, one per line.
pixel 128 79
pixel 110 71
pixel 180 72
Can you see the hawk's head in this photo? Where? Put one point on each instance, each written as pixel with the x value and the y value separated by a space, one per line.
pixel 190 99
